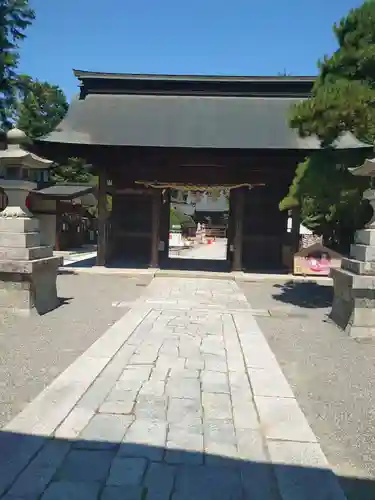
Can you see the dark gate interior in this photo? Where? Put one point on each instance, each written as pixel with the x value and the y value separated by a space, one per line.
pixel 264 229
pixel 131 226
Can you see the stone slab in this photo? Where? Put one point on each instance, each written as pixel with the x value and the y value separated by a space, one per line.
pixel 74 424
pixel 117 407
pixel 83 465
pixel 217 406
pixel 282 419
pixel 362 252
pixel 145 438
pixel 302 471
pixel 251 446
pixel 37 475
pixel 32 253
pixel 20 240
pixel 62 490
pixel 357 266
pixel 17 451
pixel 29 266
pixel 269 382
pixel 295 453
pixel 126 471
pixel 123 493
pixel 159 481
pixel 19 225
pixel 365 237
pixel 104 432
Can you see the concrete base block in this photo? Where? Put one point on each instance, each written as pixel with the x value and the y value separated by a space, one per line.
pixel 31 288
pixel 353 307
pixel 364 253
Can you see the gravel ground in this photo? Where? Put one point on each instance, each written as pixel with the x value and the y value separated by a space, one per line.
pixel 331 375
pixel 33 351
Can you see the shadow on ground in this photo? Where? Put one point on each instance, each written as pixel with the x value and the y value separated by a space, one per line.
pixel 91 262
pixel 61 301
pixel 58 469
pixel 307 294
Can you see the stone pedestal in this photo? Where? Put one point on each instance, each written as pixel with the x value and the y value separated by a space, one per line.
pixel 353 307
pixel 28 271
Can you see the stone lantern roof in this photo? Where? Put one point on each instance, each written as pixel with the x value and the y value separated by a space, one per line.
pixel 17 155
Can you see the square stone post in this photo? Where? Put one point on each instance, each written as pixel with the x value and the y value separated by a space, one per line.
pixel 353 307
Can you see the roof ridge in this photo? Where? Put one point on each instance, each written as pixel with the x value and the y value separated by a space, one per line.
pixel 83 74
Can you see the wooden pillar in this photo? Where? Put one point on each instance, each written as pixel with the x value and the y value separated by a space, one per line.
pixel 296 221
pixel 102 218
pixel 230 229
pixel 155 234
pixel 164 224
pixel 238 229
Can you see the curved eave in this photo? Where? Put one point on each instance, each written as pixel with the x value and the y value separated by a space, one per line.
pixel 27 159
pixel 204 122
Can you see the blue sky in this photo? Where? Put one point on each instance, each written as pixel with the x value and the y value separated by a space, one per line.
pixel 238 37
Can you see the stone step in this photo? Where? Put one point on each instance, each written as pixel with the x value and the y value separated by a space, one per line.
pixel 365 237
pixel 20 240
pixel 358 267
pixel 364 253
pixel 24 267
pixel 19 224
pixel 32 253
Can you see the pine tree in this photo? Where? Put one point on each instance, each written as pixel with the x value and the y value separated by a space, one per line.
pixel 343 100
pixel 343 97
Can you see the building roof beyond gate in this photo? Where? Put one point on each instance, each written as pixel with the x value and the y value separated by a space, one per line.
pixel 66 191
pixel 187 112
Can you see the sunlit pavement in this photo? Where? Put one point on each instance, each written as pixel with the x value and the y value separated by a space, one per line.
pixel 216 250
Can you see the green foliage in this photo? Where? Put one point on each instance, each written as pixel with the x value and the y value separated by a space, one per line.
pixel 41 107
pixel 94 180
pixel 75 171
pixel 330 197
pixel 15 17
pixel 343 100
pixel 178 218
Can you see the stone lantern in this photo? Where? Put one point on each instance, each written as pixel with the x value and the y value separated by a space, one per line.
pixel 28 271
pixel 353 307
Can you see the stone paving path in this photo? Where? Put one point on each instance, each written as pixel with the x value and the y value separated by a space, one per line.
pixel 181 399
